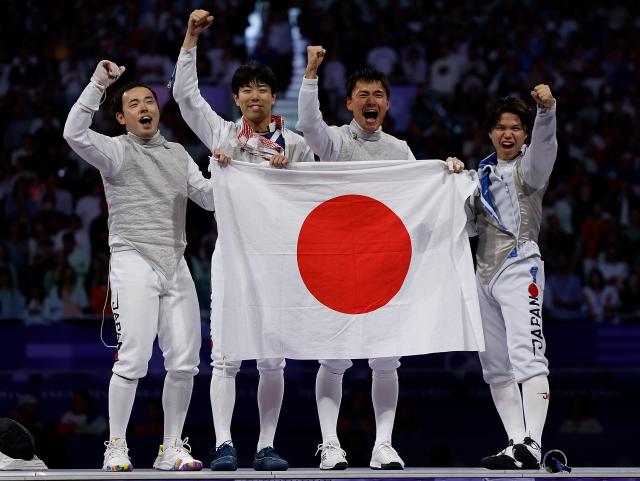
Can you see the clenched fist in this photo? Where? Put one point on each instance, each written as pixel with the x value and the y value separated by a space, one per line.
pixel 199 21
pixel 315 56
pixel 106 73
pixel 542 95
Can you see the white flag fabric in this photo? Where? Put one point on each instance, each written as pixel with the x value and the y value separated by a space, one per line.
pixel 334 260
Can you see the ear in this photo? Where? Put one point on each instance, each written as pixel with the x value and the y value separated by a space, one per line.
pixel 120 118
pixel 235 99
pixel 348 104
pixel 273 99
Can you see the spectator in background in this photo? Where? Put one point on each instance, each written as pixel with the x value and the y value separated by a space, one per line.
pixel 630 299
pixel 613 269
pixel 602 299
pixel 12 302
pixel 564 297
pixel 67 299
pixel 80 418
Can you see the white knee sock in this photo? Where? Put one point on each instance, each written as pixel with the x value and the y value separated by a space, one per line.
pixel 122 393
pixel 176 397
pixel 328 398
pixel 270 393
pixel 223 399
pixel 384 394
pixel 508 401
pixel 535 396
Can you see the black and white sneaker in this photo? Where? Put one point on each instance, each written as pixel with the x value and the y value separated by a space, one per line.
pixel 503 460
pixel 528 453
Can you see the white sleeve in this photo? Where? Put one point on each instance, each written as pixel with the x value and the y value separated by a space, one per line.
pixel 101 151
pixel 411 156
pixel 199 188
pixel 540 156
pixel 323 140
pixel 210 128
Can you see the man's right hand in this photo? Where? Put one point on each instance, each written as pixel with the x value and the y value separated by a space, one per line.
pixel 199 21
pixel 315 56
pixel 106 73
pixel 223 159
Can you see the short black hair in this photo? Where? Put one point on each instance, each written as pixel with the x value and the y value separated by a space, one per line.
pixel 254 72
pixel 367 74
pixel 512 105
pixel 116 101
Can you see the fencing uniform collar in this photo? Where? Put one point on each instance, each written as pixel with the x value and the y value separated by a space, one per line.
pixel 358 132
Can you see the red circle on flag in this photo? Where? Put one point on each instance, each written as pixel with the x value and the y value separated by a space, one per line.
pixel 353 254
pixel 533 290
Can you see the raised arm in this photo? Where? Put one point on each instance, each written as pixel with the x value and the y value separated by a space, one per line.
pixel 539 158
pixel 101 151
pixel 210 128
pixel 322 139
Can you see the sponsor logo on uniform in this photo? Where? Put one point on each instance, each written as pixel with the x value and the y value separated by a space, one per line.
pixel 545 395
pixel 537 340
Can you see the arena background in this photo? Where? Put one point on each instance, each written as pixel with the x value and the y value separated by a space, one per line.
pixel 445 60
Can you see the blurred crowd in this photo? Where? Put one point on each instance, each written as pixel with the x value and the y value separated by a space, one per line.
pixel 456 57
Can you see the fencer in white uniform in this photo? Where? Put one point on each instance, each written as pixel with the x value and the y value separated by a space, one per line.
pixel 363 139
pixel 256 137
pixel 147 182
pixel 510 271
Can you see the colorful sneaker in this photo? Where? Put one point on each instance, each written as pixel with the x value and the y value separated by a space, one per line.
pixel 385 457
pixel 116 456
pixel 503 460
pixel 176 457
pixel 268 460
pixel 528 453
pixel 225 458
pixel 332 456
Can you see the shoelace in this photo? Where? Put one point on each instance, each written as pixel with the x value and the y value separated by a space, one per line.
pixel 114 449
pixel 182 446
pixel 387 446
pixel 328 447
pixel 226 444
pixel 532 444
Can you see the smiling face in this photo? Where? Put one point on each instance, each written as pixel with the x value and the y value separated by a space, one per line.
pixel 140 114
pixel 256 101
pixel 369 103
pixel 508 136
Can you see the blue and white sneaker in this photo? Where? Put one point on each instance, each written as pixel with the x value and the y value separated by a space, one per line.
pixel 225 458
pixel 267 459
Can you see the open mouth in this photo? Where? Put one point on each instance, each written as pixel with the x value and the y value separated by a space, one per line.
pixel 370 114
pixel 145 119
pixel 507 145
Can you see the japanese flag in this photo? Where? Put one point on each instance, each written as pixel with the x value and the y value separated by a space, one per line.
pixel 342 260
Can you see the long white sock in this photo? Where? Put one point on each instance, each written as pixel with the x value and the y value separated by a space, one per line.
pixel 384 394
pixel 223 399
pixel 122 393
pixel 508 401
pixel 535 396
pixel 270 393
pixel 176 397
pixel 328 398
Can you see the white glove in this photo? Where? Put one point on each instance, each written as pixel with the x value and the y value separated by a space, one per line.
pixel 106 73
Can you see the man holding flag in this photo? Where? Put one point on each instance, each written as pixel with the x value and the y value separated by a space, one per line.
pixel 257 137
pixel 363 139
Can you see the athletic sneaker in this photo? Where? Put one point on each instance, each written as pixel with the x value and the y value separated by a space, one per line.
pixel 268 460
pixel 505 459
pixel 225 458
pixel 528 453
pixel 176 457
pixel 385 457
pixel 332 456
pixel 116 457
